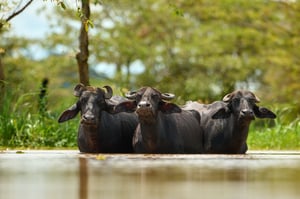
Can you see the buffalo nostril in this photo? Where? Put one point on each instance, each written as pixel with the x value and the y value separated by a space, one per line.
pixel 247 111
pixel 88 117
pixel 144 105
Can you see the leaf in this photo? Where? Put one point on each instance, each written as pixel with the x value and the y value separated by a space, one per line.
pixel 86 26
pixel 62 5
pixel 2 50
pixel 176 10
pixel 100 2
pixel 79 12
pixel 88 23
pixel 100 157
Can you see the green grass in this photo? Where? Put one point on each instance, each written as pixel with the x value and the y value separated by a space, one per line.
pixel 23 125
pixel 275 137
pixel 33 131
pixel 25 130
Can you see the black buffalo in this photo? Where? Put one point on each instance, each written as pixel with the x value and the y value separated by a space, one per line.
pixel 226 123
pixel 101 130
pixel 163 127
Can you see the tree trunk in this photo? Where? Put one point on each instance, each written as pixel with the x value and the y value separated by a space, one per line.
pixel 128 72
pixel 83 54
pixel 2 23
pixel 2 76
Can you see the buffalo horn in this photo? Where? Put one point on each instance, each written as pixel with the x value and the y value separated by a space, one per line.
pixel 257 100
pixel 78 90
pixel 130 95
pixel 167 96
pixel 109 92
pixel 227 97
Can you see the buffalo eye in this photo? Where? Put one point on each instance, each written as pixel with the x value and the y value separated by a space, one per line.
pixel 138 97
pixel 251 101
pixel 83 100
pixel 100 99
pixel 155 96
pixel 235 101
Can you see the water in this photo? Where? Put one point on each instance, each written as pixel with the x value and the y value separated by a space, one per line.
pixel 68 174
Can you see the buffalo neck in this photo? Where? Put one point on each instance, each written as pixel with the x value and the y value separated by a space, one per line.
pixel 88 138
pixel 240 132
pixel 93 134
pixel 151 132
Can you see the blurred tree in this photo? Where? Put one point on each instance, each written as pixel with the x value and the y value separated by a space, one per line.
pixel 13 9
pixel 18 55
pixel 199 50
pixel 24 70
pixel 259 37
pixel 83 55
pixel 214 48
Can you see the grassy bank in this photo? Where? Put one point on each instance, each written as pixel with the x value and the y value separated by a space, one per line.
pixel 33 131
pixel 277 137
pixel 23 124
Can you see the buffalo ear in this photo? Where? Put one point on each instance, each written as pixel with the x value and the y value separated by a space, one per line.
pixel 127 106
pixel 221 113
pixel 78 90
pixel 110 108
pixel 262 112
pixel 110 105
pixel 168 108
pixel 68 114
pixel 196 114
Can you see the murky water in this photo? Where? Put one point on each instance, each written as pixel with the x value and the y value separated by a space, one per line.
pixel 68 174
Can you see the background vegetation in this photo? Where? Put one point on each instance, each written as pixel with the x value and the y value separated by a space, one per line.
pixel 199 50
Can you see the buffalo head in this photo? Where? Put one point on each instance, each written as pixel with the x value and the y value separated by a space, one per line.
pixel 242 104
pixel 91 102
pixel 147 102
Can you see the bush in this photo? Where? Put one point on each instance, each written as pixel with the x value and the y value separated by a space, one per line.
pixel 280 136
pixel 23 125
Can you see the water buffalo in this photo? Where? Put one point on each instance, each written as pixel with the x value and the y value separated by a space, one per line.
pixel 101 130
pixel 163 127
pixel 226 123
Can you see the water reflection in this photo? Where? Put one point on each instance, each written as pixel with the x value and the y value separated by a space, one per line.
pixel 83 178
pixel 66 175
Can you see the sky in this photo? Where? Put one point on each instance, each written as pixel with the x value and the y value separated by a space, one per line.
pixel 29 23
pixel 32 24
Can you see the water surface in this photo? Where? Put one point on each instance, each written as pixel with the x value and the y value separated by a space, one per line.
pixel 69 174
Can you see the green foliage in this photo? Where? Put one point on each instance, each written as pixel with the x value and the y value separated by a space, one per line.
pixel 199 50
pixel 210 50
pixel 283 133
pixel 21 127
pixel 61 4
pixel 278 137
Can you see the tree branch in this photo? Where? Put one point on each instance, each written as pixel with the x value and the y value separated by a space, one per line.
pixel 15 14
pixel 83 54
pixel 19 11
